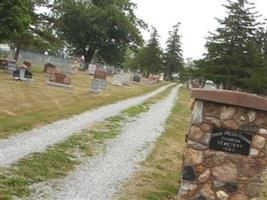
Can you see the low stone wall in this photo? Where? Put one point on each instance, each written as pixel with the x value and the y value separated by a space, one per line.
pixel 225 156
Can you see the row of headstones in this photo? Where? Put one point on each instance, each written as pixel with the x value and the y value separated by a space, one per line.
pixel 22 73
pixel 99 82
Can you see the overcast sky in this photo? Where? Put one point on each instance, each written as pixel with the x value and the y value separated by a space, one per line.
pixel 196 17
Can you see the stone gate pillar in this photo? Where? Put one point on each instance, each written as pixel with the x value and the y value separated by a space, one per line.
pixel 226 151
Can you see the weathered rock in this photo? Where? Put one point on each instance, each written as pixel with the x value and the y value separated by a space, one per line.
pixel 218 184
pixel 254 189
pixel 231 124
pixel 199 169
pixel 221 195
pixel 231 187
pixel 211 109
pixel 189 173
pixel 206 138
pixel 251 116
pixel 193 157
pixel 214 121
pixel 207 191
pixel 238 197
pixel 196 145
pixel 258 142
pixel 249 127
pixel 200 197
pixel 227 112
pixel 248 167
pixel 219 158
pixel 225 172
pixel 197 113
pixel 187 188
pixel 254 152
pixel 263 131
pixel 195 133
pixel 205 127
pixel 204 176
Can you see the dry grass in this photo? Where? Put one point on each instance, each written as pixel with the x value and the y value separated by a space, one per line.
pixel 159 173
pixel 24 106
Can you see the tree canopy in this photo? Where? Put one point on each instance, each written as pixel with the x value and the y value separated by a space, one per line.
pixel 173 58
pixel 102 28
pixel 15 18
pixel 235 51
pixel 149 58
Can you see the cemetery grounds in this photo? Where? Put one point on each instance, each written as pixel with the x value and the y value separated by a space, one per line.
pixel 25 106
pixel 28 105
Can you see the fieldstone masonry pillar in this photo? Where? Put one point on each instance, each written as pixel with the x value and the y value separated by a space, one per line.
pixel 226 151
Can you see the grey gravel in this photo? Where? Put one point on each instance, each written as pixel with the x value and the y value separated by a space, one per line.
pixel 101 177
pixel 36 140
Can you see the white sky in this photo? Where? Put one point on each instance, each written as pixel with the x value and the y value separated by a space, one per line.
pixel 197 18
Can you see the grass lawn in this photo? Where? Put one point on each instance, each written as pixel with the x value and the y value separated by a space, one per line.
pixel 24 106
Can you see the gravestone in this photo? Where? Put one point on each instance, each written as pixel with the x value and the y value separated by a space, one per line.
pixel 12 66
pixel 136 77
pixel 126 79
pixel 117 80
pixel 59 79
pixel 91 69
pixel 23 73
pixel 225 154
pixel 3 64
pixel 100 74
pixel 97 85
pixel 49 68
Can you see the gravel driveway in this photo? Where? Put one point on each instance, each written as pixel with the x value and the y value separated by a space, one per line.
pixel 38 139
pixel 101 177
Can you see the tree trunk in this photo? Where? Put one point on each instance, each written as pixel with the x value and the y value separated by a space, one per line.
pixel 17 52
pixel 88 56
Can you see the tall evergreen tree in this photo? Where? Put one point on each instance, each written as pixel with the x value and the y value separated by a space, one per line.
pixel 149 59
pixel 173 58
pixel 233 55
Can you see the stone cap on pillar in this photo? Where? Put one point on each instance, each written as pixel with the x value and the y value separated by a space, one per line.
pixel 234 98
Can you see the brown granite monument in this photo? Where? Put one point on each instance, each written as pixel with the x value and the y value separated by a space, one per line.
pixel 226 151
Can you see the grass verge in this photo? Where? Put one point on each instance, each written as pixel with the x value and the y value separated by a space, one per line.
pixel 24 106
pixel 61 158
pixel 158 176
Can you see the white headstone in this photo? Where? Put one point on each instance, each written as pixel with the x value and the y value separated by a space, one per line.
pixel 117 80
pixel 91 69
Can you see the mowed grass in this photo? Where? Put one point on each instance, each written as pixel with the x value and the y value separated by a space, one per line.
pixel 158 176
pixel 24 106
pixel 61 158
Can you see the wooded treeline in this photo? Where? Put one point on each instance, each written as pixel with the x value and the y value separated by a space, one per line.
pixel 236 52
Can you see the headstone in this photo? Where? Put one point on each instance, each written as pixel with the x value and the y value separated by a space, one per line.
pixel 3 64
pixel 59 79
pixel 229 141
pixel 126 79
pixel 23 74
pixel 49 68
pixel 97 85
pixel 117 80
pixel 136 77
pixel 12 66
pixel 100 74
pixel 91 69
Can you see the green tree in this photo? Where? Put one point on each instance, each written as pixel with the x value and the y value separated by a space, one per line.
pixel 102 28
pixel 14 18
pixel 233 56
pixel 173 58
pixel 149 59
